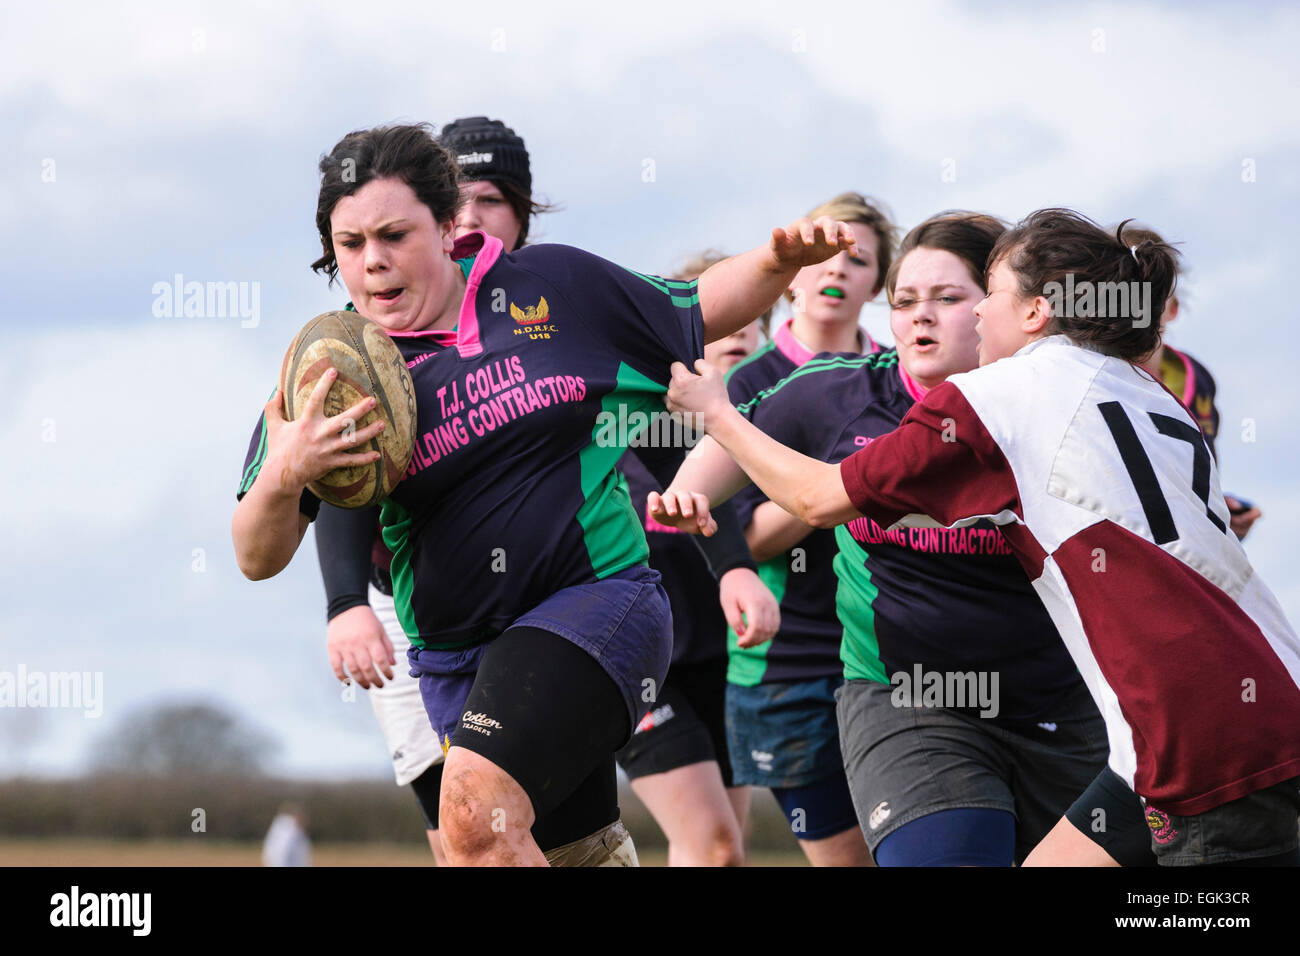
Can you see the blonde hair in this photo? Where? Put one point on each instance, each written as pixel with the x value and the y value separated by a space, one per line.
pixel 856 208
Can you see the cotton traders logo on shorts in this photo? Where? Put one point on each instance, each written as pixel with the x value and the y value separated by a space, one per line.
pixel 480 722
pixel 762 759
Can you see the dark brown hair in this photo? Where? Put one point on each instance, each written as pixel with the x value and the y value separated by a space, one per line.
pixel 970 236
pixel 1061 248
pixel 523 206
pixel 408 153
pixel 1136 235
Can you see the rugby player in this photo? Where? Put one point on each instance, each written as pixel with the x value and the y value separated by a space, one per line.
pixel 539 633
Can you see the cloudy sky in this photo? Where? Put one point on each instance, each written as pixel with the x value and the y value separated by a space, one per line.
pixel 181 139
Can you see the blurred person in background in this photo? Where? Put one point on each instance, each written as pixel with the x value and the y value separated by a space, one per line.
pixel 287 843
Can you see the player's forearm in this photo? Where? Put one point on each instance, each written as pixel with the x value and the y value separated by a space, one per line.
pixel 267 527
pixel 710 471
pixel 736 291
pixel 808 489
pixel 773 531
pixel 343 547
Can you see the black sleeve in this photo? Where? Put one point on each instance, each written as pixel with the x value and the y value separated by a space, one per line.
pixel 344 537
pixel 726 550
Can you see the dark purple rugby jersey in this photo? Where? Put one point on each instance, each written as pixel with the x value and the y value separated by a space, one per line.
pixel 946 600
pixel 699 627
pixel 802 579
pixel 522 414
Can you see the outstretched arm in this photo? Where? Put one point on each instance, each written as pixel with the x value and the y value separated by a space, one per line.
pixel 736 291
pixel 811 490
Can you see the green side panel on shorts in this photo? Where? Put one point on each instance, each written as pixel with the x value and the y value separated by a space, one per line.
pixel 612 532
pixel 747 665
pixel 255 466
pixel 855 595
pixel 396 524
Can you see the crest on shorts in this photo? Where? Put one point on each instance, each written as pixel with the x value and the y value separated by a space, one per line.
pixel 532 314
pixel 1162 828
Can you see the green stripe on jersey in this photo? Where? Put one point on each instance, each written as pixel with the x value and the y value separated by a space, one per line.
pixel 611 529
pixel 395 524
pixel 673 288
pixel 812 367
pixel 255 466
pixel 756 354
pixel 855 595
pixel 747 665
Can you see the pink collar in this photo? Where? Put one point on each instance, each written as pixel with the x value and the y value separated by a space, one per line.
pixel 914 388
pixel 486 250
pixel 798 353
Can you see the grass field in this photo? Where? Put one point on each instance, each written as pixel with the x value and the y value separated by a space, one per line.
pixel 204 852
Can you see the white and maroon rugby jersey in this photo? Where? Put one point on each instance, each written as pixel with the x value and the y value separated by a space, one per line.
pixel 1105 489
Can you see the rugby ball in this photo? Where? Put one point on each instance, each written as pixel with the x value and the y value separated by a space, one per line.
pixel 368 364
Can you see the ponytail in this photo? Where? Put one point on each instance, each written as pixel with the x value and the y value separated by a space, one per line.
pixel 1107 291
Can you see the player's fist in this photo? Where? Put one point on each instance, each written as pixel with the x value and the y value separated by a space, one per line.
pixel 702 392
